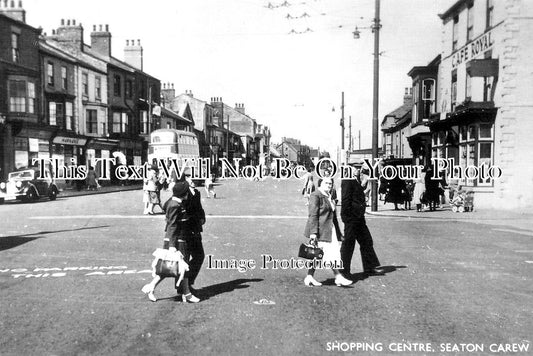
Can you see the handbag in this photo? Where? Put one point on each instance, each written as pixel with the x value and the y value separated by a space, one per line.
pixel 169 264
pixel 166 268
pixel 310 252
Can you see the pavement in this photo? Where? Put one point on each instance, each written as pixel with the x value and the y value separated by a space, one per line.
pixel 72 192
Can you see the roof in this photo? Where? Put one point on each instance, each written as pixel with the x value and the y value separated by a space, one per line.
pixel 173 115
pixel 84 59
pixel 432 67
pixel 454 9
pixel 401 111
pixel 116 62
pixel 51 50
pixel 21 23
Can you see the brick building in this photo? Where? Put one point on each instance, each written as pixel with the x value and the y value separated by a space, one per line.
pixel 23 134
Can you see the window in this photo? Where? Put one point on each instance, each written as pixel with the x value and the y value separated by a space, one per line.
pixel 64 78
pixel 490 13
pixel 120 122
pixel 125 122
pixel 97 88
pixel 454 90
pixel 91 120
pixel 50 74
pixel 56 114
pixel 85 84
pixel 468 87
pixel 52 113
pixel 69 118
pixel 455 32
pixel 487 82
pixel 129 89
pixel 31 97
pixel 15 47
pixel 116 85
pixel 470 23
pixel 144 122
pixel 428 98
pixel 116 122
pixel 17 96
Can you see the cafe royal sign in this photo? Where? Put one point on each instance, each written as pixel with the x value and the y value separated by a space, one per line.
pixel 472 49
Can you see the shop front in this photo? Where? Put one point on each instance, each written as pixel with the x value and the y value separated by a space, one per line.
pixel 28 144
pixel 467 136
pixel 101 148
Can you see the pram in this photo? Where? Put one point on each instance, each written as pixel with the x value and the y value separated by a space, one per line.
pixel 463 201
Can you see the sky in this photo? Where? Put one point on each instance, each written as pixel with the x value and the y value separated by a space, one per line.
pixel 288 63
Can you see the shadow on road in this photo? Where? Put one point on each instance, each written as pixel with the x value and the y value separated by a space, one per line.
pixel 355 277
pixel 216 289
pixel 7 242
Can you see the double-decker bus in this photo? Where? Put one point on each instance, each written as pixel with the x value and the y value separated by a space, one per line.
pixel 172 144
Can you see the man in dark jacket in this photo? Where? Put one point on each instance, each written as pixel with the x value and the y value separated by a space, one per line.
pixel 196 220
pixel 355 229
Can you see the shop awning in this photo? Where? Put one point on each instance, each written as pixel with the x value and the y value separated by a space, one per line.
pixel 482 67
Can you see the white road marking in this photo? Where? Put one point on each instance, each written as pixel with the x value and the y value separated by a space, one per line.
pixel 529 261
pixel 160 216
pixel 521 232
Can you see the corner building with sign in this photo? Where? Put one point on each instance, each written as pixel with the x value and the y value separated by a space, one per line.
pixel 485 97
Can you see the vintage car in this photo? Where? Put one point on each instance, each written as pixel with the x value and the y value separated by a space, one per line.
pixel 27 185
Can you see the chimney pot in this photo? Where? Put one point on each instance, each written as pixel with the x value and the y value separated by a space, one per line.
pixel 138 42
pixel 100 28
pixel 94 28
pixel 20 4
pixel 127 42
pixel 13 4
pixel 68 22
pixel 106 28
pixel 62 22
pixel 172 85
pixel 74 22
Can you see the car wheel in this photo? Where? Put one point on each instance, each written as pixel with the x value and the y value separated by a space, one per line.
pixel 454 209
pixel 53 194
pixel 461 209
pixel 31 195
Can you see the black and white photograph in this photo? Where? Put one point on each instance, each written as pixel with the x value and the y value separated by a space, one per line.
pixel 258 177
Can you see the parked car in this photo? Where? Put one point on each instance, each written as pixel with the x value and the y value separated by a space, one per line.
pixel 27 185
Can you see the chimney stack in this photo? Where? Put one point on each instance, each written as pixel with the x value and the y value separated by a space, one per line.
pixel 9 9
pixel 101 41
pixel 69 33
pixel 168 94
pixel 133 54
pixel 408 96
pixel 240 108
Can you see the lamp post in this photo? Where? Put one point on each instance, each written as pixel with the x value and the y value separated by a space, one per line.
pixel 376 26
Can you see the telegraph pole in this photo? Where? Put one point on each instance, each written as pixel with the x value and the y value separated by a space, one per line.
pixel 350 133
pixel 342 121
pixel 375 28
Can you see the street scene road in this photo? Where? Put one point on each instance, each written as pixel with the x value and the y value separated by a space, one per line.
pixel 71 273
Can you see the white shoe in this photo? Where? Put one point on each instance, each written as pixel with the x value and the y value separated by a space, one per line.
pixel 341 281
pixel 147 289
pixel 311 281
pixel 189 298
